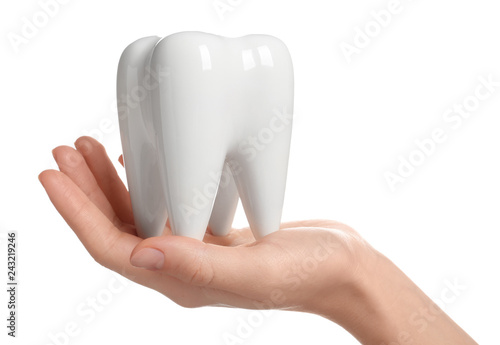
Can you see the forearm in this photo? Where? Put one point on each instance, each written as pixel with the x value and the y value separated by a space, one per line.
pixel 384 307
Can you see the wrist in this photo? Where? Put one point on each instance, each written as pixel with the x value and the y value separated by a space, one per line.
pixel 380 305
pixel 366 304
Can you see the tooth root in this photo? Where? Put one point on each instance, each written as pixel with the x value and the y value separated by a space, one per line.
pixel 190 184
pixel 191 133
pixel 139 149
pixel 225 204
pixel 261 186
pixel 263 149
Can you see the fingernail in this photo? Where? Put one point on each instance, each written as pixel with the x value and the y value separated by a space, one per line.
pixel 148 258
pixel 83 146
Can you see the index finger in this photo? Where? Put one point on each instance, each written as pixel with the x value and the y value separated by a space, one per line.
pixel 106 244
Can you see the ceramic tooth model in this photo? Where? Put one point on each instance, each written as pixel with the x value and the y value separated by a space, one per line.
pixel 204 120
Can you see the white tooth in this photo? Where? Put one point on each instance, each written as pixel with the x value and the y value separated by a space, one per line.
pixel 220 102
pixel 140 152
pixel 225 204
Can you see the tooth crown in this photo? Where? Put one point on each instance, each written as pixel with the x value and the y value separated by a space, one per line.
pixel 204 119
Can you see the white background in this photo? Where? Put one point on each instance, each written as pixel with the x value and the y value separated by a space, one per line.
pixel 353 120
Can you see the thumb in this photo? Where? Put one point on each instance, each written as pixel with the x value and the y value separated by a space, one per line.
pixel 202 264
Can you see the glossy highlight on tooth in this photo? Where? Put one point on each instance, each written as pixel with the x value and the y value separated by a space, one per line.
pixel 205 120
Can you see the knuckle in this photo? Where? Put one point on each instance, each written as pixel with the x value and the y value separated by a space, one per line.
pixel 201 272
pixel 103 254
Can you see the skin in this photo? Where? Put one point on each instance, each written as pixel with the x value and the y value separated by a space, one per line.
pixel 317 266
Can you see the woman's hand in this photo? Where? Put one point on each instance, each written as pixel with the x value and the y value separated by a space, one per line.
pixel 317 266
